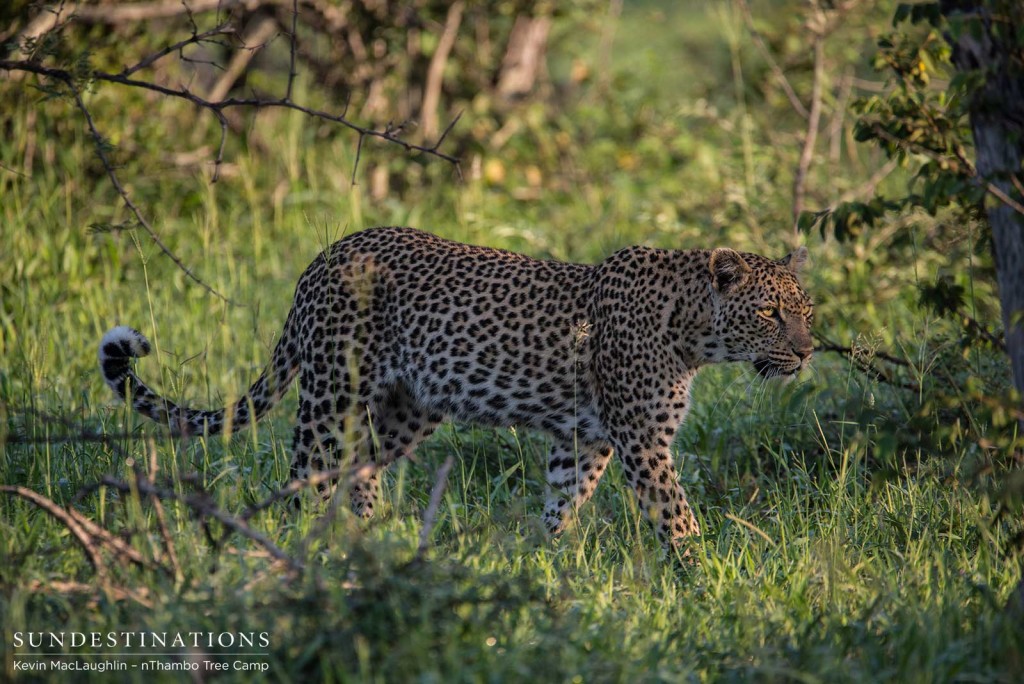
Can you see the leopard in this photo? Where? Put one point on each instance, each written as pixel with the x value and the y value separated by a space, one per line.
pixel 393 331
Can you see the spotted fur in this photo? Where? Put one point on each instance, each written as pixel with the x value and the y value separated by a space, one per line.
pixel 393 330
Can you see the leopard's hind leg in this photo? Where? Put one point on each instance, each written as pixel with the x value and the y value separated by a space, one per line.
pixel 573 474
pixel 333 432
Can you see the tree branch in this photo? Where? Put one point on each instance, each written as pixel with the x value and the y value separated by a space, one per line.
pixel 435 73
pixel 203 507
pixel 813 121
pixel 776 70
pixel 116 182
pixel 964 165
pixel 215 103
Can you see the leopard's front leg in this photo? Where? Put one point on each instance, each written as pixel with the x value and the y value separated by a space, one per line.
pixel 649 469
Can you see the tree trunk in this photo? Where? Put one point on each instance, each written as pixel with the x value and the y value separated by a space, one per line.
pixel 989 40
pixel 524 58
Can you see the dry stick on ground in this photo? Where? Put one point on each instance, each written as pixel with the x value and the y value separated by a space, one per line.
pixel 64 587
pixel 70 520
pixel 430 516
pixel 203 507
pixel 91 537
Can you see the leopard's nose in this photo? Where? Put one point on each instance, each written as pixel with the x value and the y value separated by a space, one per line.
pixel 803 352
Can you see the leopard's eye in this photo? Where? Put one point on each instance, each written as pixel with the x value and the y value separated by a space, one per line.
pixel 767 312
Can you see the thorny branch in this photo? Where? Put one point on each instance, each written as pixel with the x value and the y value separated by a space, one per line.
pixel 116 182
pixel 57 19
pixel 203 507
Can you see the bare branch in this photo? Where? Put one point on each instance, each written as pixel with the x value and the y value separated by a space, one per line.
pixel 862 362
pixel 777 72
pixel 389 135
pixel 195 38
pixel 16 172
pixel 71 520
pixel 215 103
pixel 813 120
pixel 255 38
pixel 290 489
pixel 964 165
pixel 203 507
pixel 435 72
pixel 359 153
pixel 292 47
pixel 116 182
pixel 430 516
pixel 115 593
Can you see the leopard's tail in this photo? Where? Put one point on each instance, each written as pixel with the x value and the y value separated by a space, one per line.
pixel 122 344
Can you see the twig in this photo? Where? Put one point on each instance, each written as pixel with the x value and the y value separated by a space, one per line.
pixel 255 38
pixel 116 182
pixel 388 134
pixel 290 489
pixel 868 186
pixel 216 106
pixel 836 127
pixel 293 42
pixel 16 172
pixel 63 587
pixel 70 520
pixel 359 154
pixel 203 507
pixel 959 155
pixel 865 366
pixel 195 39
pixel 84 437
pixel 780 76
pixel 430 516
pixel 865 188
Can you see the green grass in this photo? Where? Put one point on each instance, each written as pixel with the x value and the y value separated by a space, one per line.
pixel 850 534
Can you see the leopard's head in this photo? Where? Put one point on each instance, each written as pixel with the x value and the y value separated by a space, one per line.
pixel 760 311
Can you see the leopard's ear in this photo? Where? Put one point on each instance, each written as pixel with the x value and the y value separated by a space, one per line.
pixel 795 260
pixel 728 269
